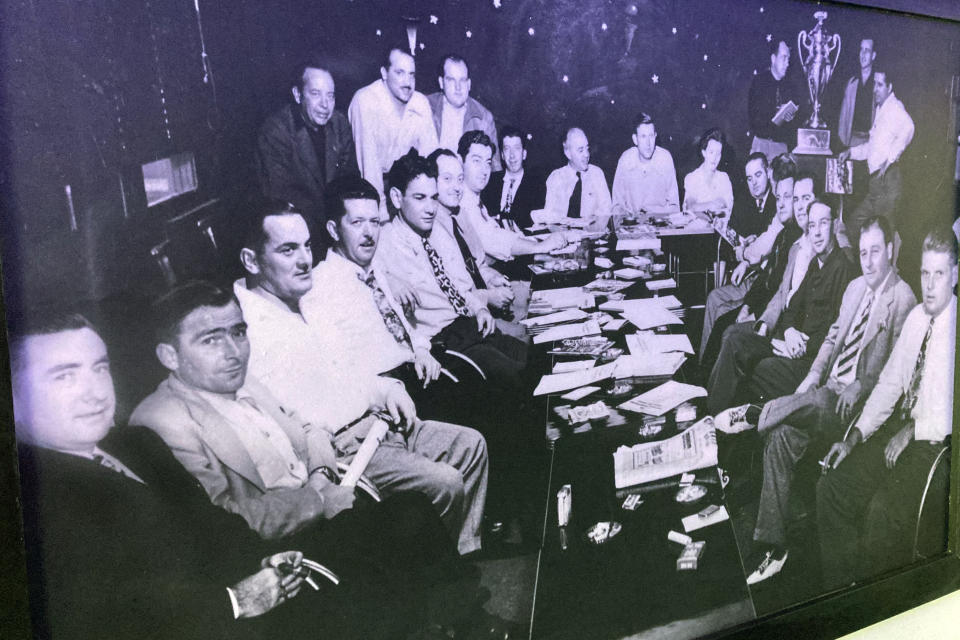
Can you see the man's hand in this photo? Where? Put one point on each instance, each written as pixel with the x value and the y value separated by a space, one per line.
pixel 843 156
pixel 336 499
pixel 848 399
pixel 897 444
pixel 405 295
pixel 267 588
pixel 796 342
pixel 738 273
pixel 840 450
pixel 745 315
pixel 485 323
pixel 400 406
pixel 426 366
pixel 500 297
pixel 806 384
pixel 789 116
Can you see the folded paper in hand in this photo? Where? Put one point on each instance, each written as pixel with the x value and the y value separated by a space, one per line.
pixel 695 448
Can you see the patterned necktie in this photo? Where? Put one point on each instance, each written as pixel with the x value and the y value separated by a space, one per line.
pixel 854 341
pixel 468 259
pixel 509 203
pixel 910 397
pixel 390 317
pixel 456 299
pixel 573 208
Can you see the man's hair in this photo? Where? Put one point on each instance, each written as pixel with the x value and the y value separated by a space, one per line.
pixel 642 118
pixel 437 153
pixel 806 175
pixel 405 170
pixel 347 187
pixel 880 66
pixel 471 138
pixel 775 45
pixel 40 323
pixel 254 236
pixel 566 134
pixel 941 239
pixel 833 214
pixel 313 61
pixel 390 48
pixel 708 135
pixel 170 309
pixel 880 222
pixel 452 57
pixel 758 155
pixel 512 132
pixel 783 166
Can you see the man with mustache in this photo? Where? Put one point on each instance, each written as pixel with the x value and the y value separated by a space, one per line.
pixel 306 144
pixel 389 117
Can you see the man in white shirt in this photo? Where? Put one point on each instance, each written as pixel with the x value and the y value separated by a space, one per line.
pixel 646 180
pixel 890 134
pixel 577 189
pixel 389 116
pixel 869 497
pixel 454 111
pixel 305 369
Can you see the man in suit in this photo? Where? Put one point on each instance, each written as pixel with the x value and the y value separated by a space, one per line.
pixel 869 498
pixel 306 144
pixel 857 108
pixel 121 542
pixel 847 365
pixel 517 190
pixel 454 111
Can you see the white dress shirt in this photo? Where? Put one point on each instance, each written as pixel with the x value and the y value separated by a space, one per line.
pixel 890 134
pixel 342 305
pixel 757 251
pixel 451 125
pixel 497 241
pixel 933 412
pixel 639 184
pixel 702 186
pixel 305 368
pixel 402 256
pixel 594 194
pixel 805 254
pixel 382 134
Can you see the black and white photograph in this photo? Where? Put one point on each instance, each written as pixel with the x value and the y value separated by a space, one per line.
pixel 650 332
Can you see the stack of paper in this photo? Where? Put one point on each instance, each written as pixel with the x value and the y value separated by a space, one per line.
pixel 555 382
pixel 567 315
pixel 606 285
pixel 563 331
pixel 667 396
pixel 650 344
pixel 550 300
pixel 649 368
pixel 666 283
pixel 638 244
pixel 642 304
pixel 647 314
pixel 629 273
pixel 573 365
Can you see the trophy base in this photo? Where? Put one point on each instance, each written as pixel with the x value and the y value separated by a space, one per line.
pixel 813 142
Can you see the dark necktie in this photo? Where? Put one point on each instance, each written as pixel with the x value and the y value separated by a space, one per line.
pixel 468 258
pixel 390 317
pixel 456 299
pixel 509 203
pixel 319 138
pixel 573 209
pixel 910 397
pixel 854 342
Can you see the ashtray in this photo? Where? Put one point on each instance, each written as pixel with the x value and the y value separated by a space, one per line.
pixel 690 494
pixel 620 388
pixel 603 531
pixel 611 354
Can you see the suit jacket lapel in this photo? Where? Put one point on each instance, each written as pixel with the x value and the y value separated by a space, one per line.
pixel 306 151
pixel 846 323
pixel 882 314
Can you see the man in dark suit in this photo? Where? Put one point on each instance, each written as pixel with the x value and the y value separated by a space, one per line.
pixel 515 191
pixel 123 543
pixel 306 144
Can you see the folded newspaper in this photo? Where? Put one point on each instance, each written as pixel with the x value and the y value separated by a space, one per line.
pixel 695 448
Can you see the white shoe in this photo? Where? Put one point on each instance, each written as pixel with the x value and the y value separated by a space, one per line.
pixel 769 567
pixel 733 420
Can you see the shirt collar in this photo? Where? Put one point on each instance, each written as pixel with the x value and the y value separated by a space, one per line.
pixel 337 261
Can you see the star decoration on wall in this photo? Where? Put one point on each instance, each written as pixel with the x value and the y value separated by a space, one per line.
pixel 769 37
pixel 531 31
pixel 703 106
pixel 422 46
pixel 529 136
pixel 469 33
pixel 754 72
pixel 434 19
pixel 655 79
pixel 761 9
pixel 705 57
pixel 379 33
pixel 603 27
pixel 565 78
pixel 497 4
pixel 674 31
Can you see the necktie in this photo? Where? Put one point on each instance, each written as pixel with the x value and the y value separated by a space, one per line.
pixel 443 280
pixel 390 317
pixel 853 343
pixel 760 205
pixel 468 258
pixel 910 397
pixel 108 462
pixel 573 209
pixel 509 203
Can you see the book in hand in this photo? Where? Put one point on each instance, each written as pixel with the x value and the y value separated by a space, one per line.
pixel 785 112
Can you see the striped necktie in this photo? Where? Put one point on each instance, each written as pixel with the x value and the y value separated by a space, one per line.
pixel 851 346
pixel 910 397
pixel 456 299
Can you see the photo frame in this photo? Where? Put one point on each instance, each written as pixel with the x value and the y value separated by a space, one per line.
pixel 827 615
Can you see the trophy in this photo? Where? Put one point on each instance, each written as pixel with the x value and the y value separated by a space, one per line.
pixel 818 52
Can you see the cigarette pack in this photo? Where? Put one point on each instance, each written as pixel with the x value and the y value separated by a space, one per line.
pixel 690 555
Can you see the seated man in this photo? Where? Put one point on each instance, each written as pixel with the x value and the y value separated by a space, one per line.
pixel 872 313
pixel 122 543
pixel 517 190
pixel 578 189
pixel 500 240
pixel 869 498
pixel 304 370
pixel 776 368
pixel 306 144
pixel 645 181
pixel 418 259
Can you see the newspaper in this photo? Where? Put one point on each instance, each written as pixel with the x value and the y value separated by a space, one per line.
pixel 695 448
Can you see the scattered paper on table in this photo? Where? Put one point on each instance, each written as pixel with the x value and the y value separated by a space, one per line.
pixel 694 448
pixel 603 263
pixel 694 522
pixel 573 365
pixel 582 392
pixel 657 285
pixel 638 244
pixel 649 316
pixel 598 409
pixel 648 343
pixel 555 382
pixel 563 331
pixel 567 315
pixel 629 273
pixel 606 285
pixel 663 366
pixel 550 300
pixel 614 324
pixel 667 396
pixel 637 261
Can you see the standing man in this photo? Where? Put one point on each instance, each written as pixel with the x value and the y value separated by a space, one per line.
pixel 389 116
pixel 868 500
pixel 306 144
pixel 454 111
pixel 577 189
pixel 770 90
pixel 646 180
pixel 890 134
pixel 517 190
pixel 857 108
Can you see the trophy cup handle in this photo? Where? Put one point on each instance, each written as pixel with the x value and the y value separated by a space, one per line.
pixel 804 42
pixel 834 49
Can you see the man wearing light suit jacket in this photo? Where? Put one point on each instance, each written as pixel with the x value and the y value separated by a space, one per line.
pixel 846 367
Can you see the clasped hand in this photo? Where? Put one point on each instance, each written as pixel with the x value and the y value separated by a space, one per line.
pixel 259 593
